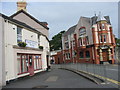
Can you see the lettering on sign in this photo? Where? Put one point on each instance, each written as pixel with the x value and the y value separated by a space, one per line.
pixel 31 43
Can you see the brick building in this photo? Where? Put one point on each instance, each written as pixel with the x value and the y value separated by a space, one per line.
pixel 91 40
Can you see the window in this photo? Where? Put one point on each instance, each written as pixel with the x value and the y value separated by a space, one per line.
pixel 80 41
pixel 38 40
pixel 87 54
pixel 87 40
pixel 67 55
pixel 66 45
pixel 37 62
pixel 104 37
pixel 81 55
pixel 22 63
pixel 101 40
pixel 19 34
pixel 27 60
pixel 103 26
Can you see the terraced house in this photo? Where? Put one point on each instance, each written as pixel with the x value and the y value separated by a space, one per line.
pixel 26 44
pixel 91 40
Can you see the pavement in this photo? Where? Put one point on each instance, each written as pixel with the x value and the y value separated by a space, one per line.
pixel 56 78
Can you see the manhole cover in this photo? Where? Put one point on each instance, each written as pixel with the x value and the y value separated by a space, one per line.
pixel 41 86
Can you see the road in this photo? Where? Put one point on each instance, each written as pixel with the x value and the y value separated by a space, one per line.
pixel 109 71
pixel 56 78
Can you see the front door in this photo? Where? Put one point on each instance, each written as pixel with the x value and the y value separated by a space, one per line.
pixel 105 55
pixel 31 65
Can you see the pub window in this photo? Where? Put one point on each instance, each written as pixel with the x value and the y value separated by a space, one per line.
pixel 87 54
pixel 81 55
pixel 19 34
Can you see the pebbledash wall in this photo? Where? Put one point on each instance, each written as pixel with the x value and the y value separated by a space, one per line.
pixel 90 41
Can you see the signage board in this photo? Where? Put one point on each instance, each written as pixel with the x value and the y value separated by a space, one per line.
pixel 31 43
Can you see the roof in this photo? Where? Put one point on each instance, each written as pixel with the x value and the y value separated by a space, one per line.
pixel 70 30
pixel 22 24
pixel 44 24
pixel 95 19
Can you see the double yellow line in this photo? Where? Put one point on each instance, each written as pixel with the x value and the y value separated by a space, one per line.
pixel 111 80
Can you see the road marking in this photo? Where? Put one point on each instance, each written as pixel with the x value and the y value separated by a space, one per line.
pixel 111 80
pixel 52 79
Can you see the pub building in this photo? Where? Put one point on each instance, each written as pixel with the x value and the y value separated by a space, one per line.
pixel 91 40
pixel 26 44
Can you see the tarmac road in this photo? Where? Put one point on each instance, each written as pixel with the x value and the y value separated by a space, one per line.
pixel 56 78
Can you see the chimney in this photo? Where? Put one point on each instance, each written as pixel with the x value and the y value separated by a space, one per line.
pixel 21 5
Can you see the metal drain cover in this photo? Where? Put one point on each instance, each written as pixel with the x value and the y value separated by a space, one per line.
pixel 41 86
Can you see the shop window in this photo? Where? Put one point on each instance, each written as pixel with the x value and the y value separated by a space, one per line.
pixel 81 55
pixel 87 54
pixel 27 60
pixel 37 62
pixel 19 34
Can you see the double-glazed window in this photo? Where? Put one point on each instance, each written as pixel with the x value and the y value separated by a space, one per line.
pixel 19 34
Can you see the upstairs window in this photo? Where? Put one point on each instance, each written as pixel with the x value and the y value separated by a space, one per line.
pixel 66 45
pixel 104 38
pixel 87 40
pixel 19 34
pixel 103 26
pixel 101 40
pixel 38 39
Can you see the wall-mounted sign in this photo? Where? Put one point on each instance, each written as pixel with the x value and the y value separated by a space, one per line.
pixel 31 43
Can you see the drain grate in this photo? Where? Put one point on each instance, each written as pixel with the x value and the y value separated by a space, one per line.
pixel 41 86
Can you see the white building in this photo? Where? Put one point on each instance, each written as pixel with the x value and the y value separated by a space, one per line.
pixel 20 61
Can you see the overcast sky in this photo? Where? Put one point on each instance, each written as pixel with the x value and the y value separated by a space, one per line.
pixel 62 15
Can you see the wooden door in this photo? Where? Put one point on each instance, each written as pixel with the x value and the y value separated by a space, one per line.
pixel 105 55
pixel 31 65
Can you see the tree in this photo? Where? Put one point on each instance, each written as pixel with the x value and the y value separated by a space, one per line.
pixel 117 42
pixel 56 42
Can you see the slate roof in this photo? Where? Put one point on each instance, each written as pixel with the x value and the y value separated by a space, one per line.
pixel 86 20
pixel 44 24
pixel 70 30
pixel 21 24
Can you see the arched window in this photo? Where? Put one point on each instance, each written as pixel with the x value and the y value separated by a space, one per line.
pixel 81 55
pixel 87 54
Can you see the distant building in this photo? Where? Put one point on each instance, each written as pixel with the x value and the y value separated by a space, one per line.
pixel 56 57
pixel 90 41
pixel 19 61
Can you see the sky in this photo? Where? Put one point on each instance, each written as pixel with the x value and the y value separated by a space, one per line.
pixel 62 15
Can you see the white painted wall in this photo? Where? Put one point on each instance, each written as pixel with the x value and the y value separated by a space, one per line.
pixel 11 53
pixel 2 54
